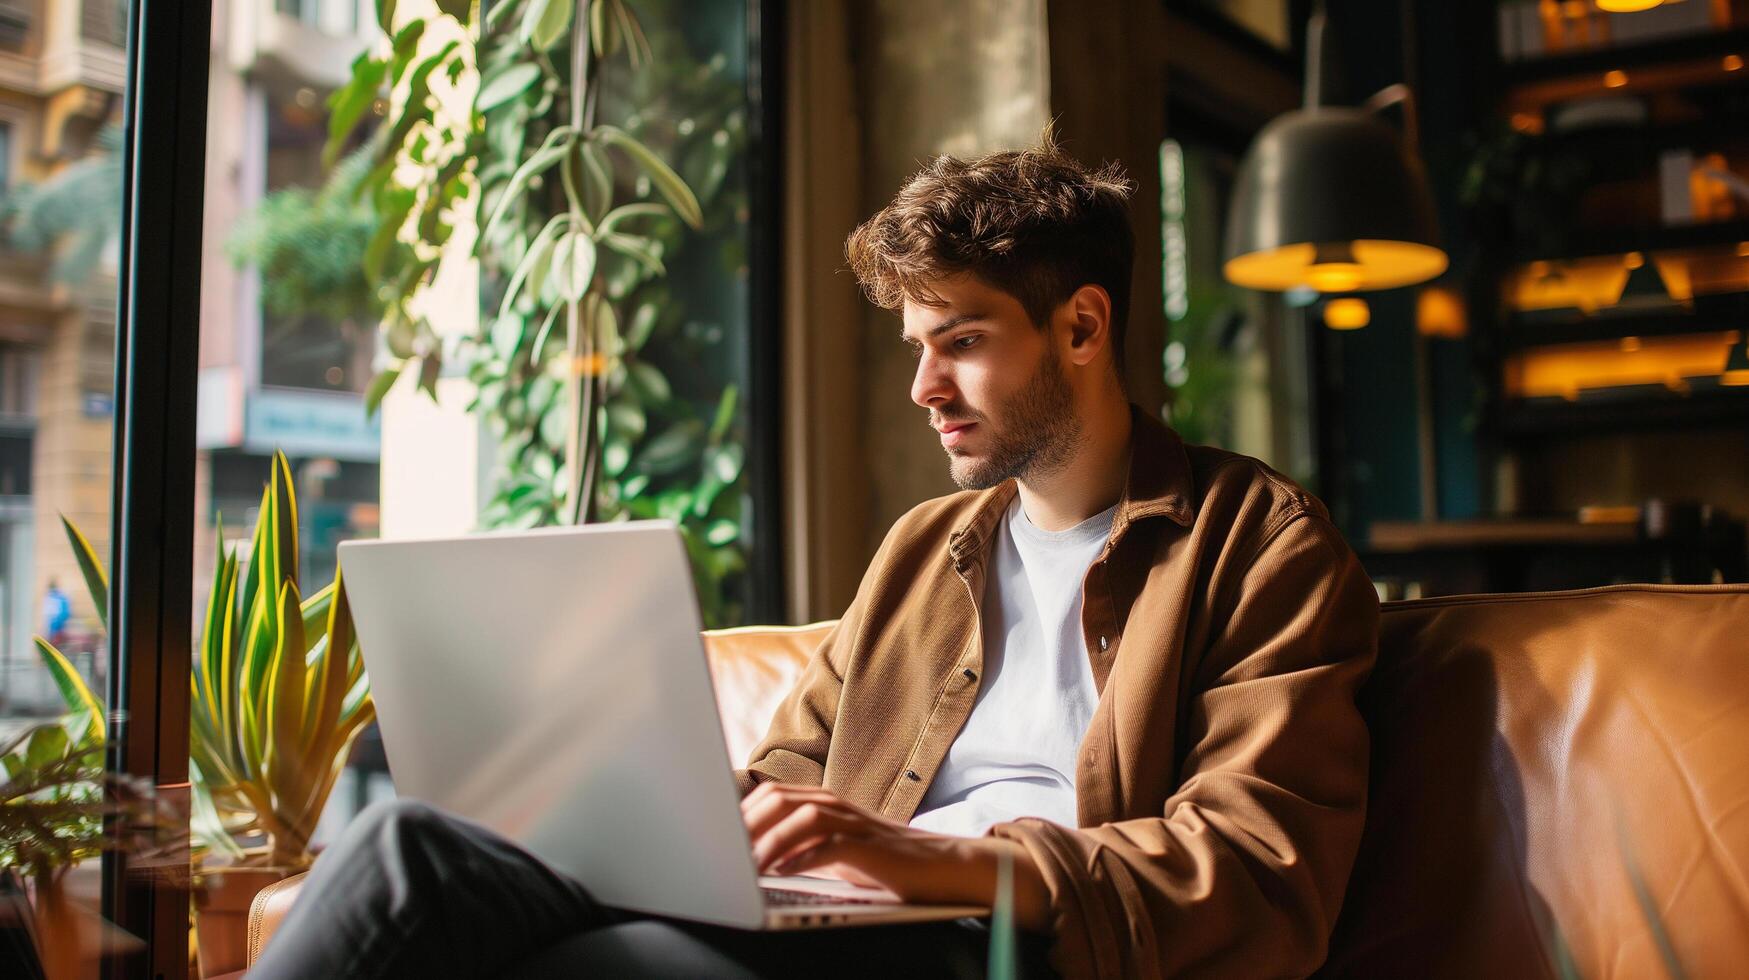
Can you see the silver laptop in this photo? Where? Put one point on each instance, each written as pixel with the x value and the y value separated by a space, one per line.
pixel 551 686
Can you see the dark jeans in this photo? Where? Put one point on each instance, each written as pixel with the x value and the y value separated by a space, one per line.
pixel 412 891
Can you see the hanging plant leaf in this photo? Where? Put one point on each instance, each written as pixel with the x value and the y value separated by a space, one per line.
pixel 668 183
pixel 649 383
pixel 379 387
pixel 574 264
pixel 545 23
pixel 502 86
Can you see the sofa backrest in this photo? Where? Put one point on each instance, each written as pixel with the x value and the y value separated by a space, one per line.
pixel 1558 780
pixel 752 668
pixel 1560 787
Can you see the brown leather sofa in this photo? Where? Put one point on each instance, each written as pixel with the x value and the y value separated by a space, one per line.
pixel 1560 784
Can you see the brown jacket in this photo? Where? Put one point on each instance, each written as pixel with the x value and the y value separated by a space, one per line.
pixel 1221 785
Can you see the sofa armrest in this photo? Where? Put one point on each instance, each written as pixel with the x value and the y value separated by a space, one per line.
pixel 268 911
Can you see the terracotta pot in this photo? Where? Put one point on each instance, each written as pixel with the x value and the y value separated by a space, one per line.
pixel 221 915
pixel 70 935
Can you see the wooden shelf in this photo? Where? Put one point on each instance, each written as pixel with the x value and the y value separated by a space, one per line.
pixel 1399 537
pixel 1695 47
pixel 1583 243
pixel 1722 311
pixel 1631 409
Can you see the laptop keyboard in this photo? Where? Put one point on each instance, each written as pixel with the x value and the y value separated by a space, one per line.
pixel 789 897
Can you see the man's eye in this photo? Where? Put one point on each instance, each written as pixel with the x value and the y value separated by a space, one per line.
pixel 966 343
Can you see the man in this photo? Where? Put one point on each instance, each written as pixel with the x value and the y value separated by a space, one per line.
pixel 1125 663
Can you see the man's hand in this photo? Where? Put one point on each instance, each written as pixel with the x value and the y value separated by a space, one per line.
pixel 796 829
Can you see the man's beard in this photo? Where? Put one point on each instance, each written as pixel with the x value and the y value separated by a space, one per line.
pixel 1033 432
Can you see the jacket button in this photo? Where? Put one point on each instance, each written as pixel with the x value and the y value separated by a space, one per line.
pixel 971 675
pixel 911 774
pixel 1103 643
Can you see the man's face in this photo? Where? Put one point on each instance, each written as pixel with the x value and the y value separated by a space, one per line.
pixel 993 383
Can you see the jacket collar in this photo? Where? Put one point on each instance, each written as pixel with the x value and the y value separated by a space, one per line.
pixel 1158 485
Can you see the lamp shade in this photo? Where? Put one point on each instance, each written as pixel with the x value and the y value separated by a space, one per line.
pixel 1329 198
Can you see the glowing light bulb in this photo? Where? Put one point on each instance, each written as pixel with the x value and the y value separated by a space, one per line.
pixel 1615 78
pixel 1626 6
pixel 1347 313
pixel 1334 277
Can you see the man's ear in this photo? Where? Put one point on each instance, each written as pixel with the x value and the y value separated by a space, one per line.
pixel 1090 325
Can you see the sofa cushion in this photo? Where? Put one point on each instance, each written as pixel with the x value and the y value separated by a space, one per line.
pixel 752 668
pixel 1557 779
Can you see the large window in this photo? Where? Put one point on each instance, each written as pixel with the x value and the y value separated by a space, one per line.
pixel 60 210
pixel 362 373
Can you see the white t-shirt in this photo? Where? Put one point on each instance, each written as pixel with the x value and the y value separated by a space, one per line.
pixel 1015 757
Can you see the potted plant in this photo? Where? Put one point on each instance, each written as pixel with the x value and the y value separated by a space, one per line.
pixel 58 807
pixel 278 694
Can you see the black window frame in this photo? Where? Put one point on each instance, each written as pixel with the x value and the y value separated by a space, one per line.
pixel 152 527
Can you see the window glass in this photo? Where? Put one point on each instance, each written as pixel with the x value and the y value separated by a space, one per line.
pixel 61 97
pixel 381 409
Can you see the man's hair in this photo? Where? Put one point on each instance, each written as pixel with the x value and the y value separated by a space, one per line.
pixel 1035 223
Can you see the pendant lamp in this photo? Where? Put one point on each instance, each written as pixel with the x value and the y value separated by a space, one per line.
pixel 1333 198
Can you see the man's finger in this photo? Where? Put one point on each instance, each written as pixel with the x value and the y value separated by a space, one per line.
pixel 803 826
pixel 764 814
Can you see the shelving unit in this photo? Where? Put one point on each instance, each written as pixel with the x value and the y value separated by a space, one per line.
pixel 1688 100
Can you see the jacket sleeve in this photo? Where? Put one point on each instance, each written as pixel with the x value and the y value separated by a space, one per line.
pixel 1244 871
pixel 794 747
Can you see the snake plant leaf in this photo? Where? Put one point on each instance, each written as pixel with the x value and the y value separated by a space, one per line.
pixel 204 823
pixel 283 762
pixel 667 182
pixel 285 523
pixel 91 568
pixel 78 697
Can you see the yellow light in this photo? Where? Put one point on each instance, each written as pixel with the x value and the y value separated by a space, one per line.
pixel 1439 312
pixel 1626 6
pixel 1732 62
pixel 1347 313
pixel 1335 277
pixel 1634 260
pixel 1615 78
pixel 1372 264
pixel 1630 344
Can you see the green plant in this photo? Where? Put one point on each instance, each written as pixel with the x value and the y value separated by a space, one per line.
pixel 585 366
pixel 309 246
pixel 278 689
pixel 81 204
pixel 51 804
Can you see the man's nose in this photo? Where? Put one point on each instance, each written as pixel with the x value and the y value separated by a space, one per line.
pixel 932 385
